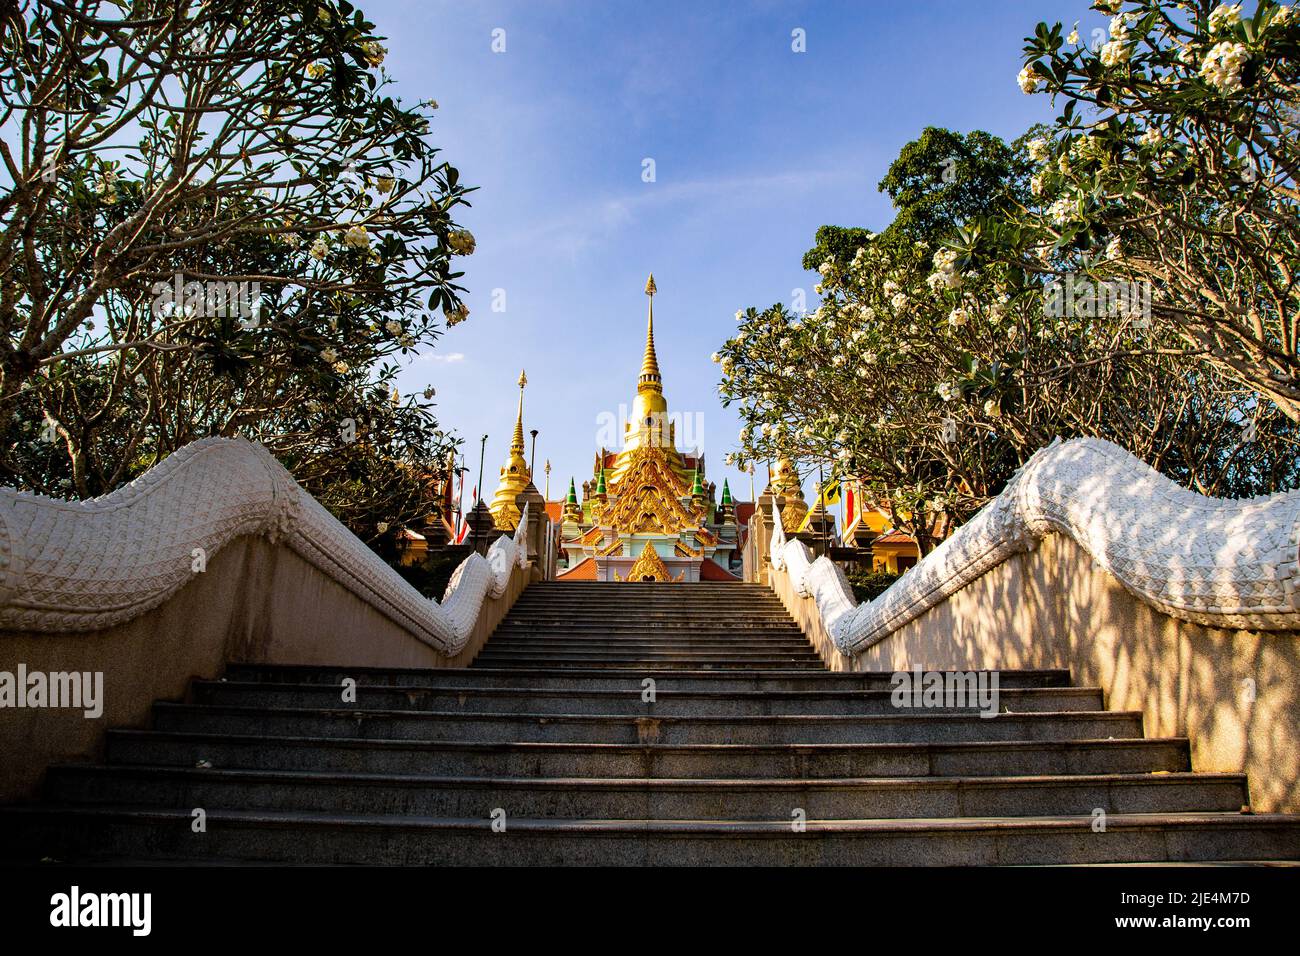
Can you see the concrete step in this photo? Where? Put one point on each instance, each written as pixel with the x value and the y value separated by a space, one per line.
pixel 641 666
pixel 644 799
pixel 707 681
pixel 662 658
pixel 676 612
pixel 31 833
pixel 658 626
pixel 916 727
pixel 517 759
pixel 622 702
pixel 610 610
pixel 649 645
pixel 665 638
pixel 613 609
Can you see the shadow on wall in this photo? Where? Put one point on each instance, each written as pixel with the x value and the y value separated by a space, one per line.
pixel 238 610
pixel 1234 693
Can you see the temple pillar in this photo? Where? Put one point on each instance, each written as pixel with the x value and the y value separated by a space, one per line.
pixel 536 533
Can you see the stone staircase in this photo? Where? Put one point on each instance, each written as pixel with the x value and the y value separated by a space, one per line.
pixel 549 734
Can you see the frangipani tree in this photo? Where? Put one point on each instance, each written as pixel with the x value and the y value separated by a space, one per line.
pixel 1174 160
pixel 937 363
pixel 158 152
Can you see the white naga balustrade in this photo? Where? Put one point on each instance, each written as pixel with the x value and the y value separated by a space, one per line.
pixel 86 565
pixel 1212 561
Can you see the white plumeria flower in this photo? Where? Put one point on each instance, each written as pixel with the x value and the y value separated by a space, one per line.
pixel 1029 80
pixel 329 356
pixel 1223 64
pixel 1224 16
pixel 992 409
pixel 356 237
pixel 1115 53
pixel 461 242
pixel 1060 211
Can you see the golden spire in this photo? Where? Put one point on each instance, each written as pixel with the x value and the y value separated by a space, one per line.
pixel 514 476
pixel 517 443
pixel 649 423
pixel 650 363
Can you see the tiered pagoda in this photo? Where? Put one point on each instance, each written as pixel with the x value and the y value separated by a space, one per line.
pixel 648 514
pixel 515 475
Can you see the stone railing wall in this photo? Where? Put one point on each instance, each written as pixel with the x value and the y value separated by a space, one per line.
pixel 215 555
pixel 1184 607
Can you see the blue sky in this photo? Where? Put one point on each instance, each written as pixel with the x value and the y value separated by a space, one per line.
pixel 754 145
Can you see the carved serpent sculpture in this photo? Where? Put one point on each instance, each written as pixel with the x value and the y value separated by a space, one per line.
pixel 86 565
pixel 1214 561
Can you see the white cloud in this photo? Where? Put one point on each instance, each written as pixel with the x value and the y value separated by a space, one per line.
pixel 595 221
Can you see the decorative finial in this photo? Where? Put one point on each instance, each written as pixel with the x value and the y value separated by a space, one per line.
pixel 650 379
pixel 517 443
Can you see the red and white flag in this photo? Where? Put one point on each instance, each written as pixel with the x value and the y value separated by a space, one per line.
pixel 463 533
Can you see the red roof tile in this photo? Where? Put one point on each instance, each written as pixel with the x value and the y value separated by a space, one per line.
pixel 894 537
pixel 710 570
pixel 584 570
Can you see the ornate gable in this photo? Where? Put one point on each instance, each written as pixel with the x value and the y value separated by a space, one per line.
pixel 647 497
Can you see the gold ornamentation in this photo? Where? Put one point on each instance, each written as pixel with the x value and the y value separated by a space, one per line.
pixel 648 567
pixel 514 476
pixel 647 496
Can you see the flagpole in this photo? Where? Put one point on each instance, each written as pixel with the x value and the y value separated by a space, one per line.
pixel 821 494
pixel 478 489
